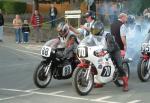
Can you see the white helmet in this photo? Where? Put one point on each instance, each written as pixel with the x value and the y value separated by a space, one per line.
pixel 63 29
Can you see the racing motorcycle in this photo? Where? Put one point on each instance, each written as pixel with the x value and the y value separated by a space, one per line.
pixel 143 68
pixel 53 65
pixel 95 68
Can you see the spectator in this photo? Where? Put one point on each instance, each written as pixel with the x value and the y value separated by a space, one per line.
pixel 146 14
pixel 112 13
pixel 52 15
pixel 17 23
pixel 119 30
pixel 1 26
pixel 36 21
pixel 90 19
pixel 101 11
pixel 25 31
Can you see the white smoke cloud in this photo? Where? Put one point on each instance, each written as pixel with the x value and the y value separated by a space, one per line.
pixel 135 37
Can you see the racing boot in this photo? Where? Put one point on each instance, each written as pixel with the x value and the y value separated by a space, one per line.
pixel 98 85
pixel 125 83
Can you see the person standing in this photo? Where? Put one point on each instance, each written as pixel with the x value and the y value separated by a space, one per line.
pixel 1 26
pixel 25 31
pixel 17 23
pixel 119 30
pixel 90 19
pixel 52 15
pixel 36 21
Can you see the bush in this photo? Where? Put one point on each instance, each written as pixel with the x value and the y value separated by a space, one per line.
pixel 13 7
pixel 1 5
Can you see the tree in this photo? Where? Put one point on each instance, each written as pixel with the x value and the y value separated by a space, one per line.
pixel 145 4
pixel 35 5
pixel 136 6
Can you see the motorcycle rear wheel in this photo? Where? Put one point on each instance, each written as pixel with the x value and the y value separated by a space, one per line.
pixel 142 70
pixel 118 82
pixel 80 84
pixel 40 79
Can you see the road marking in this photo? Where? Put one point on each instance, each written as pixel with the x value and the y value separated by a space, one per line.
pixel 35 47
pixel 22 50
pixel 30 90
pixel 50 94
pixel 102 99
pixel 55 94
pixel 27 52
pixel 14 90
pixel 2 99
pixel 15 65
pixel 135 101
pixel 70 97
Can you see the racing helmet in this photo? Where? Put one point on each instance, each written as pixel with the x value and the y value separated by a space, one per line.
pixel 63 29
pixel 97 28
pixel 131 19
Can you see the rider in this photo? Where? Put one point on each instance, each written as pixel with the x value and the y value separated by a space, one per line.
pixel 66 39
pixel 99 37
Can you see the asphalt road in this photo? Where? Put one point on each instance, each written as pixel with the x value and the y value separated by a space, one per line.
pixel 18 62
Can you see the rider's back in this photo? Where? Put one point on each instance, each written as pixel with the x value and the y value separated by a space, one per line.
pixel 112 45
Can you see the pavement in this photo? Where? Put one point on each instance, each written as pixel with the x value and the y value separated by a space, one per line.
pixel 10 39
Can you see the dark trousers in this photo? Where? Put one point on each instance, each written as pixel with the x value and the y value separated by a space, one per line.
pixel 25 37
pixel 116 57
pixel 53 21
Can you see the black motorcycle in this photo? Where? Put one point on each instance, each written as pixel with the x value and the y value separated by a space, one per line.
pixel 53 65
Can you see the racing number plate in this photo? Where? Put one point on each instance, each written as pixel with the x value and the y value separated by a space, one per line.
pixel 145 47
pixel 82 52
pixel 46 51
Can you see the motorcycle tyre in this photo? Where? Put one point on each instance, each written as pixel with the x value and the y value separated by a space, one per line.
pixel 35 76
pixel 140 69
pixel 75 83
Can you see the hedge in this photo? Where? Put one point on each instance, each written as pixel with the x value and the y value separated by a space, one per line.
pixel 13 7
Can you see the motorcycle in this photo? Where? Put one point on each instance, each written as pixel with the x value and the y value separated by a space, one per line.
pixel 53 65
pixel 143 68
pixel 95 68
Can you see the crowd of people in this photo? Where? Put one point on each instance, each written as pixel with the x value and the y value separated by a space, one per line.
pixel 23 27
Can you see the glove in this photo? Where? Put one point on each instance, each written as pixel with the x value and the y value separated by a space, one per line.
pixel 123 53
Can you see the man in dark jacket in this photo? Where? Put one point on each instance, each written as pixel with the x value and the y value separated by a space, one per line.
pixel 52 15
pixel 119 30
pixel 115 54
pixel 1 25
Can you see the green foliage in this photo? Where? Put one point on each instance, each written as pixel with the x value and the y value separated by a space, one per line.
pixel 138 6
pixel 13 7
pixel 145 4
pixel 134 6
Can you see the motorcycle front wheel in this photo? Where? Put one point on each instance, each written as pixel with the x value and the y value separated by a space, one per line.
pixel 80 84
pixel 143 70
pixel 40 78
pixel 118 82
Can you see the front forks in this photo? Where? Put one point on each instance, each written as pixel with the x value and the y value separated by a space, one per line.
pixel 47 68
pixel 88 71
